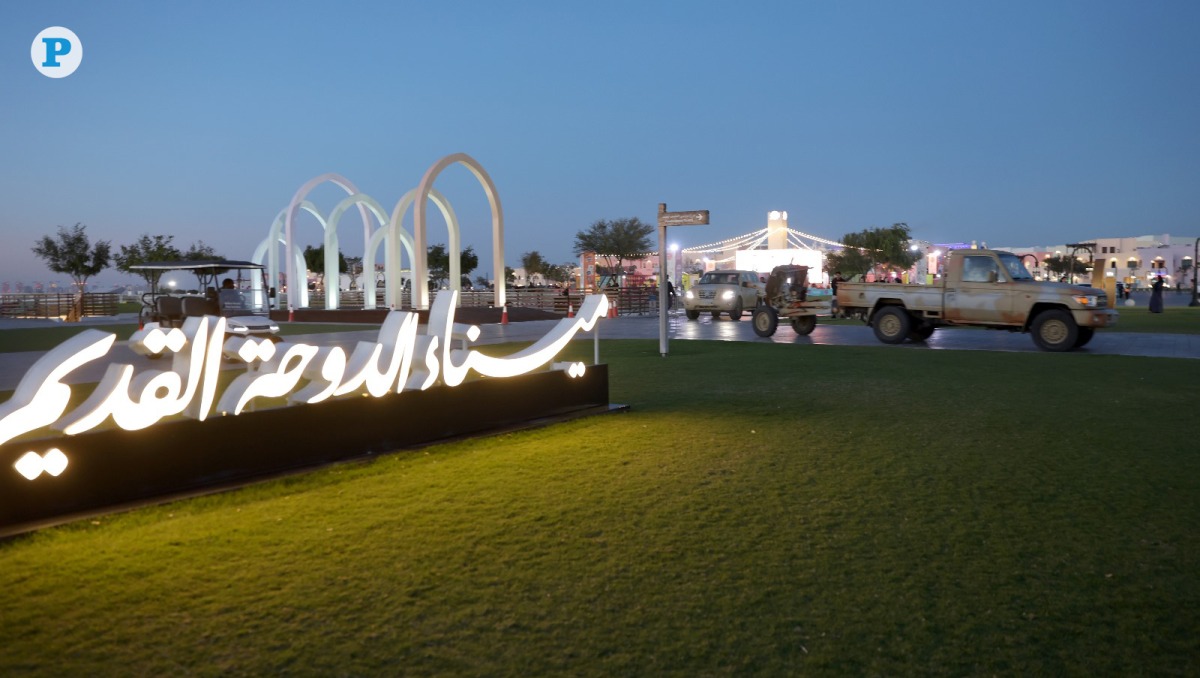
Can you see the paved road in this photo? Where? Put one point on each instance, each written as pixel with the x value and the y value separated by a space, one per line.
pixel 14 365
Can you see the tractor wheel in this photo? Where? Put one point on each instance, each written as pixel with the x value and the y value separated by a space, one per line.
pixel 765 321
pixel 1055 330
pixel 804 324
pixel 892 325
pixel 692 315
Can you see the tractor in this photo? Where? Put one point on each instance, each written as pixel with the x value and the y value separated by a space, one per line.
pixel 787 297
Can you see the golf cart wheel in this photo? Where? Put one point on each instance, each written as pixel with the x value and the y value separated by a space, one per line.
pixel 1055 330
pixel 736 313
pixel 804 324
pixel 692 315
pixel 892 325
pixel 765 321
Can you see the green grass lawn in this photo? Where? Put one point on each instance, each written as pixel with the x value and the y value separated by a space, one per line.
pixel 763 508
pixel 1173 320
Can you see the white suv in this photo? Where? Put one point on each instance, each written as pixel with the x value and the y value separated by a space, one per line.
pixel 723 292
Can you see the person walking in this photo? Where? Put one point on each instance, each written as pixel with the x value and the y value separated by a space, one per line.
pixel 833 285
pixel 1156 300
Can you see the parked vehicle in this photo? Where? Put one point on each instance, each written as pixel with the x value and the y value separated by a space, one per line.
pixel 787 296
pixel 720 292
pixel 247 312
pixel 981 288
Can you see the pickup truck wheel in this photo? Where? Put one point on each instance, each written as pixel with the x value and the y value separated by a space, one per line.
pixel 1085 335
pixel 1055 330
pixel 804 324
pixel 692 315
pixel 921 333
pixel 892 325
pixel 736 313
pixel 765 321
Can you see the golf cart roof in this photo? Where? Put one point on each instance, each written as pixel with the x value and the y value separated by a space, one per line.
pixel 210 265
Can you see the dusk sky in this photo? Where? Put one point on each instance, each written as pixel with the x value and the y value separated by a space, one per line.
pixel 1014 123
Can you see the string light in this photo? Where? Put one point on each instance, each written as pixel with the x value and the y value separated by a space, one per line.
pixel 755 238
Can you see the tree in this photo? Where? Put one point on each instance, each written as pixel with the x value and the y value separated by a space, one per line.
pixel 72 253
pixel 1065 265
pixel 314 260
pixel 615 241
pixel 533 263
pixel 198 251
pixel 884 247
pixel 439 263
pixel 144 250
pixel 559 273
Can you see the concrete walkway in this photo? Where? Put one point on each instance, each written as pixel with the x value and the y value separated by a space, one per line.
pixel 14 365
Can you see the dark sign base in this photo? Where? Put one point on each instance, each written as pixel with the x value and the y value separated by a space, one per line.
pixel 117 468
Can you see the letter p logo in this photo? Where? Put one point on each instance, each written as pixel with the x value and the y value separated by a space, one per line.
pixel 56 52
pixel 55 47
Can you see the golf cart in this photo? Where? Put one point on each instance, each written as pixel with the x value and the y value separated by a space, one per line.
pixel 787 297
pixel 228 290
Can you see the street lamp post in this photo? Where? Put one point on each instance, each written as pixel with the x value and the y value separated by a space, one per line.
pixel 1195 260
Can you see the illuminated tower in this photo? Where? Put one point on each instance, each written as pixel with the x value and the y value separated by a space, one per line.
pixel 777 230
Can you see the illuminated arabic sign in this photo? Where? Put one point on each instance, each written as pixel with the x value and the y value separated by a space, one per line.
pixel 400 359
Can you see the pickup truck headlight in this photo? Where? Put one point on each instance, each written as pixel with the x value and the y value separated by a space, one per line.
pixel 1087 301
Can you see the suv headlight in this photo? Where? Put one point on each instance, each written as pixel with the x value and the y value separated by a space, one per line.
pixel 1087 300
pixel 728 294
pixel 689 295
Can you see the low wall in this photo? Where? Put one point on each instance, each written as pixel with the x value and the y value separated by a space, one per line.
pixel 115 468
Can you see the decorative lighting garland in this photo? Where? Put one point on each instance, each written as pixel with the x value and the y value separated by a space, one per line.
pixel 757 237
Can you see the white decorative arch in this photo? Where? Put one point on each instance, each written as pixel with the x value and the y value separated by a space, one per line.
pixel 420 283
pixel 298 289
pixel 394 288
pixel 268 255
pixel 362 200
pixel 392 266
pixel 260 253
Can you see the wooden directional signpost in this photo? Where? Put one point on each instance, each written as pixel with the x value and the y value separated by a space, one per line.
pixel 665 219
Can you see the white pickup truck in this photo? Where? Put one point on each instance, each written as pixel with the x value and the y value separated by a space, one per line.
pixel 981 288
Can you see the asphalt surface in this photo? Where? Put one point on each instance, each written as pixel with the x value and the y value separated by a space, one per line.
pixel 14 365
